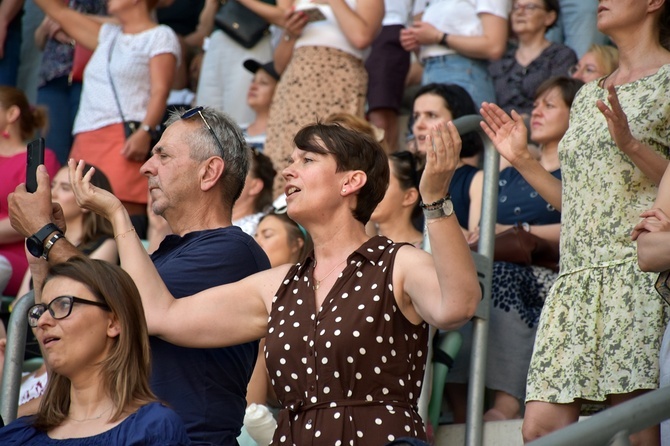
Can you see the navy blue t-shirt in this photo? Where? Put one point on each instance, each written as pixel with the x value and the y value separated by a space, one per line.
pixel 206 387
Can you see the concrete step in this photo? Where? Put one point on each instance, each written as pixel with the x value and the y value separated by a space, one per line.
pixel 496 433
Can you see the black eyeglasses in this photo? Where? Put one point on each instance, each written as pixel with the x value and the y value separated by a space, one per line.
pixel 530 7
pixel 59 308
pixel 198 111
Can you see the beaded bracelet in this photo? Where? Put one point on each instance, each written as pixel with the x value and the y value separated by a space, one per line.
pixel 436 204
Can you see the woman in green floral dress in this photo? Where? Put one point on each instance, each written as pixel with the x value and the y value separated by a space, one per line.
pixel 601 326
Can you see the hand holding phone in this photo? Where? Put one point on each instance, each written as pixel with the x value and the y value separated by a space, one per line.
pixel 35 157
pixel 313 14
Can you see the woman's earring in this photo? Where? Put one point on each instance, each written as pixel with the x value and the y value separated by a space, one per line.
pixel 344 191
pixel 5 134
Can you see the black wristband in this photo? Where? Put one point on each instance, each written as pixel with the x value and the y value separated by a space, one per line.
pixel 436 204
pixel 443 40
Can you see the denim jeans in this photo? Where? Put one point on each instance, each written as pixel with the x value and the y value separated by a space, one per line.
pixel 9 63
pixel 576 26
pixel 471 74
pixel 62 102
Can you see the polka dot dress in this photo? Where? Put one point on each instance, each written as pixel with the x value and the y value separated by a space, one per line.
pixel 348 373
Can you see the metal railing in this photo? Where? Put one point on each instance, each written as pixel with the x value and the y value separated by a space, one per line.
pixel 16 345
pixel 613 426
pixel 484 261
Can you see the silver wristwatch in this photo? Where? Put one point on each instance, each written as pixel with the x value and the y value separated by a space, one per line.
pixel 439 209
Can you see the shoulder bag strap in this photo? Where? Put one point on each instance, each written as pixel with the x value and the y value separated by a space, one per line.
pixel 111 81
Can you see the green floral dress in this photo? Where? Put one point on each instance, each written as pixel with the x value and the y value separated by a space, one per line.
pixel 601 327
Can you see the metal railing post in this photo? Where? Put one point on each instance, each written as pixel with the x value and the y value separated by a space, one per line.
pixel 16 346
pixel 474 425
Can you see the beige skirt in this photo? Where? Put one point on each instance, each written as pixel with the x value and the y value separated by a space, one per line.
pixel 318 82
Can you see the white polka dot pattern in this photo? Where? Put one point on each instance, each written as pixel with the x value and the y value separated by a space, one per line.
pixel 346 361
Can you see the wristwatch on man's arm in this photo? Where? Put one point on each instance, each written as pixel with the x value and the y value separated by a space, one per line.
pixel 40 243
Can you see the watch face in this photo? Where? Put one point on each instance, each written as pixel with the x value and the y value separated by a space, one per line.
pixel 35 247
pixel 448 207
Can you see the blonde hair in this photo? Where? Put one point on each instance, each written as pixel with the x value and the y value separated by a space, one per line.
pixel 607 55
pixel 351 122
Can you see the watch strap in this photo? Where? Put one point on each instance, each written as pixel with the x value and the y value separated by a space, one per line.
pixel 443 40
pixel 54 238
pixel 445 209
pixel 43 233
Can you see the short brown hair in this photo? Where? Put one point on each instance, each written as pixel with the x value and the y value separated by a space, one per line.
pixel 352 150
pixel 568 87
pixel 125 372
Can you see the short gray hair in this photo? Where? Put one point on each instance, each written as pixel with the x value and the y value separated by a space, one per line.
pixel 236 151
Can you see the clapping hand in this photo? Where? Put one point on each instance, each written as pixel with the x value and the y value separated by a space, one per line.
pixel 508 133
pixel 441 162
pixel 88 196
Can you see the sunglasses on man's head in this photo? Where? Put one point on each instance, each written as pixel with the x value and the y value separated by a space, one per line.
pixel 198 111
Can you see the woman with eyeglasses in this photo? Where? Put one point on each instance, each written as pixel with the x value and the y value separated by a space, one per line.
pixel 346 330
pixel 90 324
pixel 602 323
pixel 598 61
pixel 532 59
pixel 128 78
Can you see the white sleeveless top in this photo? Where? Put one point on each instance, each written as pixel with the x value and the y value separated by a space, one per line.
pixel 326 32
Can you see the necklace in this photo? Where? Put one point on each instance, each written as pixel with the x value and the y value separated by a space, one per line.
pixel 92 418
pixel 317 282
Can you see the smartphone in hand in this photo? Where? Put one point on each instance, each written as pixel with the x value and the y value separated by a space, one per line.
pixel 313 14
pixel 35 157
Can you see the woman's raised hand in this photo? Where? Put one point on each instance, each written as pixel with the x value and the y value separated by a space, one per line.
pixel 617 121
pixel 441 162
pixel 88 196
pixel 508 133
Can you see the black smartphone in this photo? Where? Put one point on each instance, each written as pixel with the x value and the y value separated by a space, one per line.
pixel 34 159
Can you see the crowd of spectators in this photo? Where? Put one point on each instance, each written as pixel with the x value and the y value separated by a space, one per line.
pixel 194 132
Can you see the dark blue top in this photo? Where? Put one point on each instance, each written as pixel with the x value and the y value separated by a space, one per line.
pixel 459 189
pixel 206 387
pixel 518 202
pixel 153 424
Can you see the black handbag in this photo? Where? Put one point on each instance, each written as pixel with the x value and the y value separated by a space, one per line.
pixel 240 23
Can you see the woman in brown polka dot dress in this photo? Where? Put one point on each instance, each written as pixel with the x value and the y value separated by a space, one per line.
pixel 346 334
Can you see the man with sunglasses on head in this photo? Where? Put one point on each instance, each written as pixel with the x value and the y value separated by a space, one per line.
pixel 196 172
